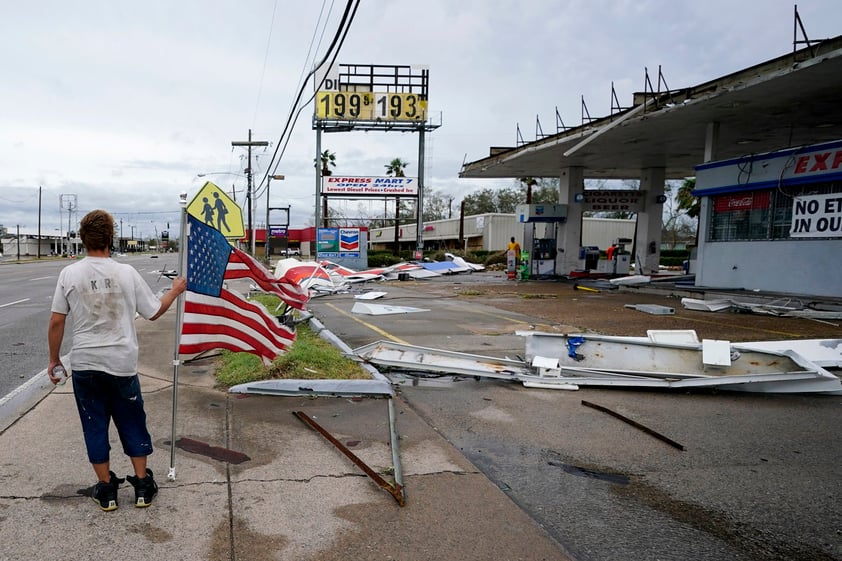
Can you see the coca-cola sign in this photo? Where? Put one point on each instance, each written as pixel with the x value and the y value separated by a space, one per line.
pixel 741 201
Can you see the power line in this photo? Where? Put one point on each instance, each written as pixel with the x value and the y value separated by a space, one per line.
pixel 265 58
pixel 333 60
pixel 339 38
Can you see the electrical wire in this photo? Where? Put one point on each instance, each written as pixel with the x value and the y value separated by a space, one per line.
pixel 341 33
pixel 307 63
pixel 19 190
pixel 302 76
pixel 333 60
pixel 338 39
pixel 265 58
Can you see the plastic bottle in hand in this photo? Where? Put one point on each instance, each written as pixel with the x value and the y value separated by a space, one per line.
pixel 60 373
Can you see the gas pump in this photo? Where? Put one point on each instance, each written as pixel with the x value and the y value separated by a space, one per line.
pixel 544 254
pixel 619 260
pixel 543 251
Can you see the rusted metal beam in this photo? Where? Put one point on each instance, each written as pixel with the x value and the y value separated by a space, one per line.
pixel 635 424
pixel 395 490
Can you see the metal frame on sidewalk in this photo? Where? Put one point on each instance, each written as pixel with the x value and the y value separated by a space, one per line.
pixel 379 388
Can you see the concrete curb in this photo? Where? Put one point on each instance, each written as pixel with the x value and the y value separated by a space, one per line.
pixel 23 398
pixel 26 396
pixel 331 338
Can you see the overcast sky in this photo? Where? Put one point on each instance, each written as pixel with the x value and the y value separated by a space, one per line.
pixel 123 104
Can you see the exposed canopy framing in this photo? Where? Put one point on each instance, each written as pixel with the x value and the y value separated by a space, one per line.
pixel 788 101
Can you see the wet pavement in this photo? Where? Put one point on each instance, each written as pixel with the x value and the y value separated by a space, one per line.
pixel 493 470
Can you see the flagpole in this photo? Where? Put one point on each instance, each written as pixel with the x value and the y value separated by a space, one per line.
pixel 182 271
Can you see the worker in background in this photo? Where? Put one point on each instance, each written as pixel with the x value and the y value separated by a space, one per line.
pixel 512 258
pixel 514 246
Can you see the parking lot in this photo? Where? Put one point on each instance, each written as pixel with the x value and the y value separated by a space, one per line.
pixel 759 475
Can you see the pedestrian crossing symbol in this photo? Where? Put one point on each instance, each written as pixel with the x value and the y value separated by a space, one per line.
pixel 216 209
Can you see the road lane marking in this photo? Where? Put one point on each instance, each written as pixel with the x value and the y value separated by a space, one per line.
pixel 370 326
pixel 513 320
pixel 747 328
pixel 42 278
pixel 15 302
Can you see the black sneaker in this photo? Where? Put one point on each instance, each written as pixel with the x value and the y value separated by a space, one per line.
pixel 144 489
pixel 105 494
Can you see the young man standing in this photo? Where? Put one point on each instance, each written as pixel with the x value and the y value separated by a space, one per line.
pixel 102 296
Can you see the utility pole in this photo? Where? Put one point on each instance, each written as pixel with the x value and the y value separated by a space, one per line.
pixel 68 202
pixel 249 143
pixel 39 222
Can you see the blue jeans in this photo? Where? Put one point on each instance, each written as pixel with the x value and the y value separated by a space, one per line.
pixel 101 397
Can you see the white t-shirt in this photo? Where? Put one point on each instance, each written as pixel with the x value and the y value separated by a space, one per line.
pixel 101 297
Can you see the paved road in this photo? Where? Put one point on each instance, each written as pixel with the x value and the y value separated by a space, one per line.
pixel 759 480
pixel 26 291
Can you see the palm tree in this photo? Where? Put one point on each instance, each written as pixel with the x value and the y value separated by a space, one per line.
pixel 328 160
pixel 528 183
pixel 396 167
pixel 686 200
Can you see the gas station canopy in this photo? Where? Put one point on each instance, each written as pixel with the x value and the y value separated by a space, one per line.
pixel 789 101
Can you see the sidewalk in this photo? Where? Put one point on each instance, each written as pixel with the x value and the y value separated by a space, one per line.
pixel 293 497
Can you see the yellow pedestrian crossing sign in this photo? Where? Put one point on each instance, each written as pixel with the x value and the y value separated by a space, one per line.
pixel 213 207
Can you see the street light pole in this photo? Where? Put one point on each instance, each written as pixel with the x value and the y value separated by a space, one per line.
pixel 268 182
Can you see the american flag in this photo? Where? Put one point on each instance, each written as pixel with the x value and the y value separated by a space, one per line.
pixel 216 318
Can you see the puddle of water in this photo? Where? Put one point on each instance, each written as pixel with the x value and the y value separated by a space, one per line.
pixel 583 472
pixel 213 452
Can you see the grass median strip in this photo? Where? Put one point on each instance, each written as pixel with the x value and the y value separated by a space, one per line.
pixel 309 358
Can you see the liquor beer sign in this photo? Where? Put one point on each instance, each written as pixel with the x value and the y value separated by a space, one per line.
pixel 616 200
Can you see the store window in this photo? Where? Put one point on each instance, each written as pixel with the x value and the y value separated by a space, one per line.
pixel 759 215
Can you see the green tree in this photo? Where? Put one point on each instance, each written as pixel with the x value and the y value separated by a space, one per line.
pixel 686 201
pixel 480 202
pixel 396 167
pixel 526 185
pixel 327 159
pixel 544 190
pixel 507 200
pixel 678 225
pixel 436 205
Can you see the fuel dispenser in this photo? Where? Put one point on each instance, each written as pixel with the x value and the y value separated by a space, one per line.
pixel 619 259
pixel 589 254
pixel 540 260
pixel 543 255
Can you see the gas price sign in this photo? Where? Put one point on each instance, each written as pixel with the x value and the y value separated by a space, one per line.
pixel 346 106
pixel 365 106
